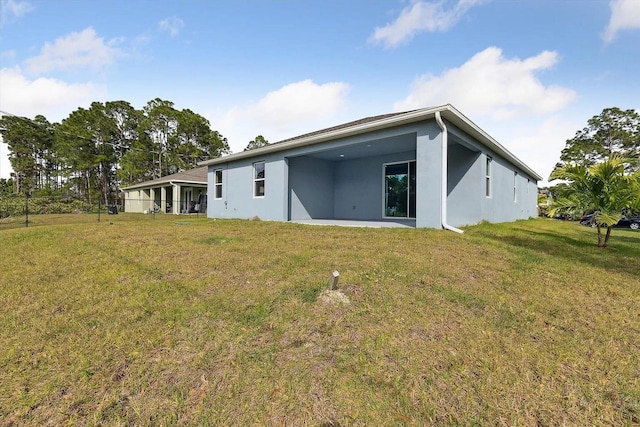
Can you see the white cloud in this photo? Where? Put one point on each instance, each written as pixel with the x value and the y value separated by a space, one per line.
pixel 172 25
pixel 293 109
pixel 75 50
pixel 625 15
pixel 52 98
pixel 298 102
pixel 491 85
pixel 538 143
pixel 419 17
pixel 10 10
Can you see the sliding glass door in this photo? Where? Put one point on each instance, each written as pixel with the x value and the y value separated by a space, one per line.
pixel 400 190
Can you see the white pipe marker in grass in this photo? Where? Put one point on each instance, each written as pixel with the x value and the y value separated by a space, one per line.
pixel 333 281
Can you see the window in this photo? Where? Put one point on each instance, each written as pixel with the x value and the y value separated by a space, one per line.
pixel 515 188
pixel 488 177
pixel 217 184
pixel 258 179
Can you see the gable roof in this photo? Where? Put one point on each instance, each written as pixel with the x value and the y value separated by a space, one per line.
pixel 384 121
pixel 192 176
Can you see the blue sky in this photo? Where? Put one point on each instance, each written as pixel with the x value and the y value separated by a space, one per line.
pixel 529 72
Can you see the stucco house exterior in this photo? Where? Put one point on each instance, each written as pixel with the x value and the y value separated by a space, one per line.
pixel 431 167
pixel 183 192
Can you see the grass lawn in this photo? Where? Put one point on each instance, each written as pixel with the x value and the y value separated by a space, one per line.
pixel 190 321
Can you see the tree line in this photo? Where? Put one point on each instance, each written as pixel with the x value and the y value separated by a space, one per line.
pixel 96 151
pixel 599 170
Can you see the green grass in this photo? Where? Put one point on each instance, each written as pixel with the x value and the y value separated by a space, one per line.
pixel 134 321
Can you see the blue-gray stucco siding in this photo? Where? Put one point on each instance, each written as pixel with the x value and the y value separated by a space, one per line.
pixel 237 190
pixel 315 182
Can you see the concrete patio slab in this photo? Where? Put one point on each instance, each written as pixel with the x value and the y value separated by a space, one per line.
pixel 392 223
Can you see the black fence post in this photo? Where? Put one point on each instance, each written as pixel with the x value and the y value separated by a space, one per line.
pixel 26 209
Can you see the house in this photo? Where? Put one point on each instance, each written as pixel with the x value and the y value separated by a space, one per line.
pixel 431 167
pixel 183 192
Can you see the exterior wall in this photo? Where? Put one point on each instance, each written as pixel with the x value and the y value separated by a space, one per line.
pixel 298 186
pixel 428 175
pixel 527 197
pixel 359 192
pixel 467 202
pixel 136 201
pixel 501 206
pixel 465 186
pixel 238 200
pixel 312 194
pixel 237 190
pixel 350 189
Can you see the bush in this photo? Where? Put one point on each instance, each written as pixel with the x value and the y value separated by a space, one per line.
pixel 15 206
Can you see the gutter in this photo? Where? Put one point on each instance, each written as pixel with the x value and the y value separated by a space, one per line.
pixel 444 182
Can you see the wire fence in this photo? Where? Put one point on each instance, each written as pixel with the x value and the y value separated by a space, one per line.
pixel 32 211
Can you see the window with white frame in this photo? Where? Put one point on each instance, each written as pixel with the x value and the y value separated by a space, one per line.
pixel 258 179
pixel 488 177
pixel 217 184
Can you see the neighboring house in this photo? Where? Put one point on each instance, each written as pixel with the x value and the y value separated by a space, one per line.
pixel 183 192
pixel 431 167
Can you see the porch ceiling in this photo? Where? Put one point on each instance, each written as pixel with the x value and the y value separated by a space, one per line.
pixel 370 148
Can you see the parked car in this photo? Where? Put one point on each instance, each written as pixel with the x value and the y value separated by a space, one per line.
pixel 632 222
pixel 588 220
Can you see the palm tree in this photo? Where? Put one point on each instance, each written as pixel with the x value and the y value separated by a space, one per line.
pixel 604 189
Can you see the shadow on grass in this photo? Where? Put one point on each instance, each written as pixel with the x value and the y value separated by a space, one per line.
pixel 621 255
pixel 631 240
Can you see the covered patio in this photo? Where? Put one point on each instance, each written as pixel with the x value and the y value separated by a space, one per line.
pixel 180 193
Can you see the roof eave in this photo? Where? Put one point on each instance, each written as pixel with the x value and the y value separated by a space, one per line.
pixel 410 117
pixel 486 139
pixel 162 183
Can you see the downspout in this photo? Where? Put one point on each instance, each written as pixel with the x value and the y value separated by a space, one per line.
pixel 443 198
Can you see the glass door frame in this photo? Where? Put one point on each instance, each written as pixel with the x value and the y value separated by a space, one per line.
pixel 411 198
